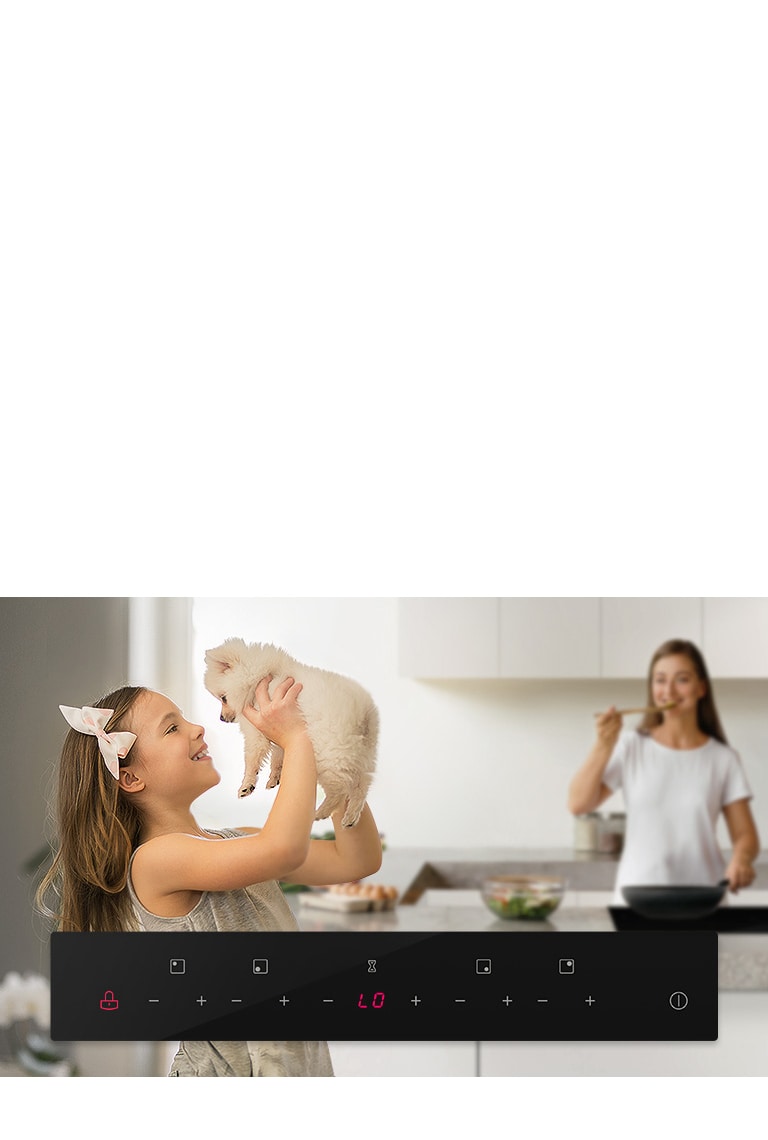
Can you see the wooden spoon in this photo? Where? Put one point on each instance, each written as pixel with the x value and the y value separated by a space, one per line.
pixel 650 709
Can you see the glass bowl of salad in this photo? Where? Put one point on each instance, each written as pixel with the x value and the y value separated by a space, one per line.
pixel 523 896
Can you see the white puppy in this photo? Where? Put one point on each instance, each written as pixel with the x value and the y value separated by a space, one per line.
pixel 342 721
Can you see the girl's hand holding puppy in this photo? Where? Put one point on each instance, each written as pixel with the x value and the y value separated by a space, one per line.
pixel 278 715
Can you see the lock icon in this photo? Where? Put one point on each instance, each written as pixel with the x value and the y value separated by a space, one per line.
pixel 109 1001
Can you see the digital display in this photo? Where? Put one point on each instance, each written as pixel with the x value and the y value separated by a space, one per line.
pixel 376 1002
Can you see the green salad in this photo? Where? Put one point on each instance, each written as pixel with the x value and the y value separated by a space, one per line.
pixel 522 906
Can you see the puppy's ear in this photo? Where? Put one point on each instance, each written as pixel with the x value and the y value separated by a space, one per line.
pixel 227 655
pixel 215 659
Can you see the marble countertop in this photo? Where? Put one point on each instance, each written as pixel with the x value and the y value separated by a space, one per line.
pixel 466 867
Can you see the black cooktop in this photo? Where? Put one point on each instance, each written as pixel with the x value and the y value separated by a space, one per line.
pixel 725 920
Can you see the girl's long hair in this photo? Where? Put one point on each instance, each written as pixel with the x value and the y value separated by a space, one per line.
pixel 706 713
pixel 96 831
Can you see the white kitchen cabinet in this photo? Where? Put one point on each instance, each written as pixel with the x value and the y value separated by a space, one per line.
pixel 634 628
pixel 735 641
pixel 404 1058
pixel 562 638
pixel 549 637
pixel 448 637
pixel 499 637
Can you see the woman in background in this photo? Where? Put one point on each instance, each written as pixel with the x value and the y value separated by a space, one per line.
pixel 677 773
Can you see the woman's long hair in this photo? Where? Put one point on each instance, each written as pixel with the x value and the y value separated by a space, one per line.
pixel 96 831
pixel 706 712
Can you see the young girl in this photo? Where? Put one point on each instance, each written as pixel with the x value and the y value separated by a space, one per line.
pixel 132 856
pixel 677 773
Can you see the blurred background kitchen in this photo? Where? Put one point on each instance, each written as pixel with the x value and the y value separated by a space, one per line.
pixel 487 708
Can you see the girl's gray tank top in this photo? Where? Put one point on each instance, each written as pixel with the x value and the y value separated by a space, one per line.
pixel 261 906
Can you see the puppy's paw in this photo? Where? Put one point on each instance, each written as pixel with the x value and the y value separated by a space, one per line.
pixel 275 772
pixel 275 766
pixel 353 812
pixel 246 790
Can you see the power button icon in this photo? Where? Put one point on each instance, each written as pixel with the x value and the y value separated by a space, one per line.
pixel 678 1000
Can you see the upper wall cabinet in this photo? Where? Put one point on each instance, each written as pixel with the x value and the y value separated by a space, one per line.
pixel 499 637
pixel 549 637
pixel 735 640
pixel 538 638
pixel 448 637
pixel 634 628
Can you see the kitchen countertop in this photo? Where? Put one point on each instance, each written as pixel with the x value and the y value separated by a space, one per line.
pixel 424 868
pixel 742 958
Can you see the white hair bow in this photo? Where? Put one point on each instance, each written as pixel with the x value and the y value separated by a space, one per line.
pixel 114 746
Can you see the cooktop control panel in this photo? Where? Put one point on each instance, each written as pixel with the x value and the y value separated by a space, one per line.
pixel 360 986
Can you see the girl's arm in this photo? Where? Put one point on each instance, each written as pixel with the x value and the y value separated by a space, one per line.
pixel 173 863
pixel 587 790
pixel 353 853
pixel 744 841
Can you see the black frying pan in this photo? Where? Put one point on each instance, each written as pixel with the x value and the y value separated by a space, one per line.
pixel 674 903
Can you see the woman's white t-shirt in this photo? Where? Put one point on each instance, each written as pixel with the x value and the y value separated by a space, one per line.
pixel 673 798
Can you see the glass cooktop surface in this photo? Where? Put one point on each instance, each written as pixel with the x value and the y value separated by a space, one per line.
pixel 725 920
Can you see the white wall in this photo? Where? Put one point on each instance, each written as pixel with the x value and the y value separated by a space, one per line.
pixel 469 764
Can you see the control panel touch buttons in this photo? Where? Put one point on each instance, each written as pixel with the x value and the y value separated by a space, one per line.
pixel 385 986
